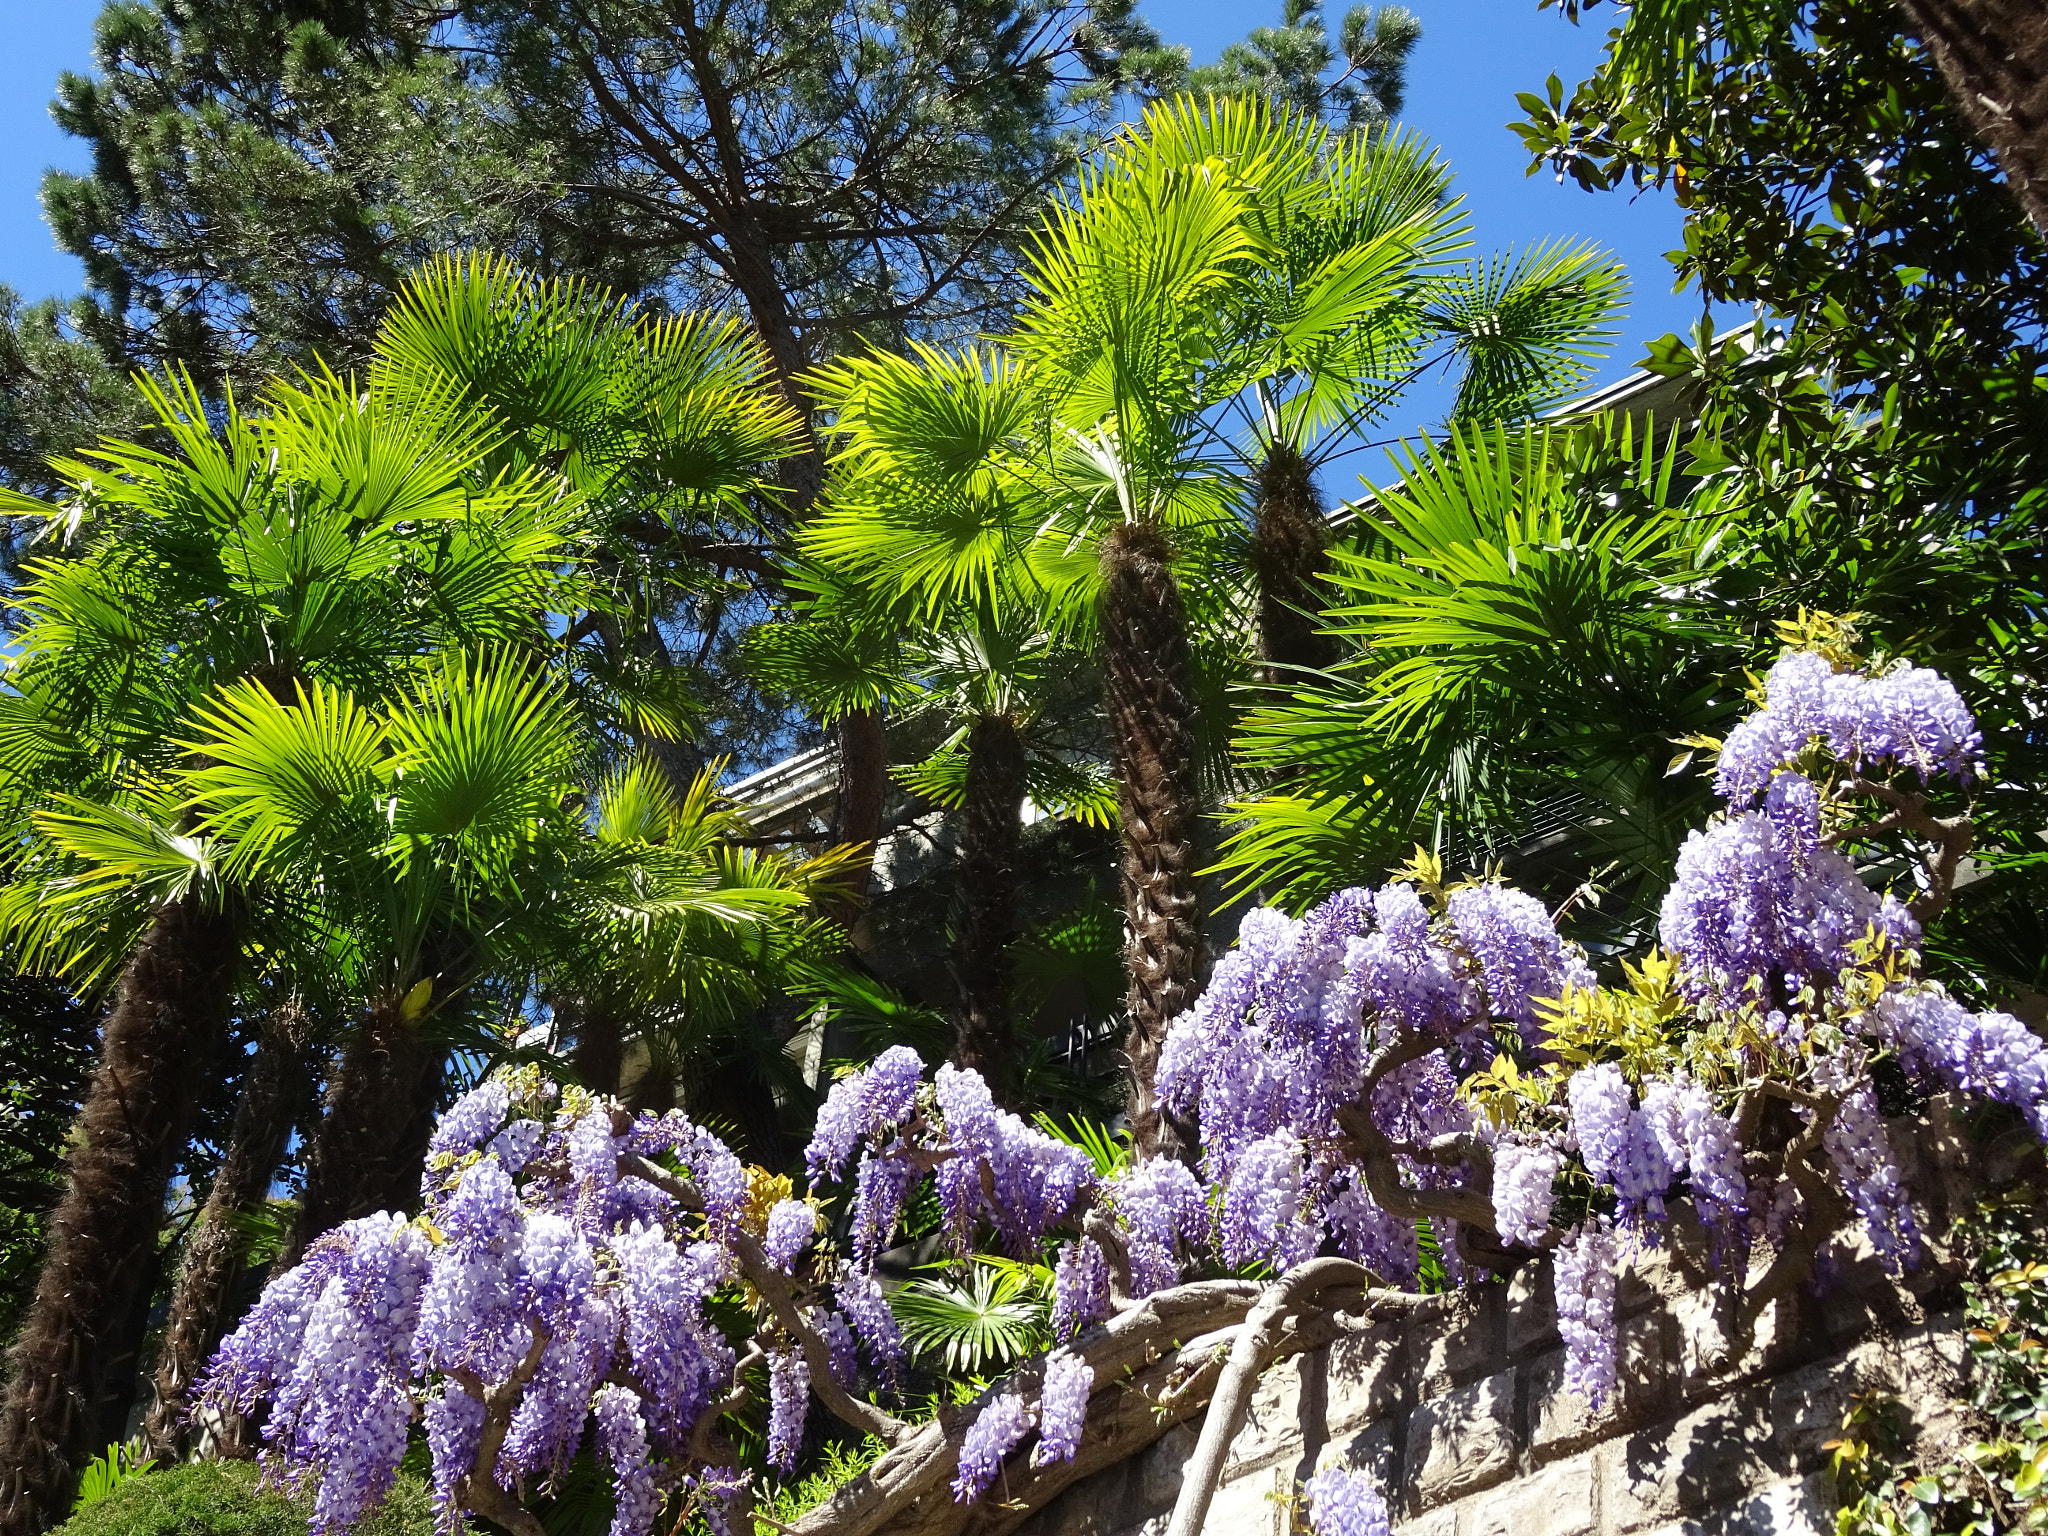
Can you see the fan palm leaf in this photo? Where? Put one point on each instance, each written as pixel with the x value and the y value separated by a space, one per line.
pixel 1509 622
pixel 988 1319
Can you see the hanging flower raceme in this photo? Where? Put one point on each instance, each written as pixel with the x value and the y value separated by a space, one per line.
pixel 1425 1078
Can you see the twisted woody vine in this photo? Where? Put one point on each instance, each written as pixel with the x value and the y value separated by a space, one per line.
pixel 1407 1057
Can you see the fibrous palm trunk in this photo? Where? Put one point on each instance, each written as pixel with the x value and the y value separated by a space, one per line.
pixel 1288 538
pixel 1149 687
pixel 201 1301
pixel 1994 56
pixel 372 1141
pixel 991 828
pixel 858 821
pixel 157 1048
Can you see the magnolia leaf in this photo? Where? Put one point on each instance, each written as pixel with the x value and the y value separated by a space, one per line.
pixel 414 1003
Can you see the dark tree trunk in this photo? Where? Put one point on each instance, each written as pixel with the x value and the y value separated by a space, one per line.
pixel 1994 56
pixel 862 778
pixel 600 1053
pixel 1149 687
pixel 752 266
pixel 119 1359
pixel 158 1046
pixel 1288 538
pixel 663 1083
pixel 863 766
pixel 372 1141
pixel 728 1091
pixel 201 1302
pixel 991 827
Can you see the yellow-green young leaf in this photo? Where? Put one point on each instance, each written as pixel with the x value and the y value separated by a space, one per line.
pixel 413 1005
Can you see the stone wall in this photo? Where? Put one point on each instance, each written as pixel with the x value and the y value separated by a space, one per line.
pixel 1460 1413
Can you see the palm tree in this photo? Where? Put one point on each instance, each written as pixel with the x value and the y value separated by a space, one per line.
pixel 1224 257
pixel 1076 461
pixel 1011 692
pixel 1994 56
pixel 660 428
pixel 1355 288
pixel 200 1298
pixel 673 932
pixel 428 828
pixel 1524 616
pixel 327 536
pixel 970 642
pixel 670 427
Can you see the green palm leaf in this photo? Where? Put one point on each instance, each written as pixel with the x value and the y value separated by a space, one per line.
pixel 1513 618
pixel 484 751
pixel 979 1324
pixel 288 782
pixel 1529 330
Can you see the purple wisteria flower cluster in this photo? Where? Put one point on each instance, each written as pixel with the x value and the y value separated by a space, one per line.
pixel 1277 1049
pixel 1345 1503
pixel 1905 717
pixel 535 1262
pixel 1347 1064
pixel 1427 1079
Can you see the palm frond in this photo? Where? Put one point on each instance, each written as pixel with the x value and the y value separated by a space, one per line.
pixel 1528 330
pixel 1109 1151
pixel 981 1323
pixel 288 781
pixel 1512 617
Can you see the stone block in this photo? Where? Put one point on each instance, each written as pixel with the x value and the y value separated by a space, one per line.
pixel 1245 1506
pixel 1714 1456
pixel 1707 1361
pixel 1095 1506
pixel 1557 1501
pixel 1273 1420
pixel 1374 1450
pixel 1531 1308
pixel 1924 1362
pixel 1460 1442
pixel 1806 1410
pixel 1367 1375
pixel 1455 1340
pixel 1442 1522
pixel 1647 1280
pixel 1560 1419
pixel 1159 1467
pixel 1803 1508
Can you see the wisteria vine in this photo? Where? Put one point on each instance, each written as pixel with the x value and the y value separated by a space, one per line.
pixel 1419 1057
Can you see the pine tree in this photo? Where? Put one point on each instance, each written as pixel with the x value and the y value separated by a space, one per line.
pixel 264 176
pixel 58 393
pixel 1291 65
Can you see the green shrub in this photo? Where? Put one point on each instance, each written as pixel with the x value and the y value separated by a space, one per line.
pixel 212 1498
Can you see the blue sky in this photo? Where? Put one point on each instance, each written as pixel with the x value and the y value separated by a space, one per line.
pixel 1474 56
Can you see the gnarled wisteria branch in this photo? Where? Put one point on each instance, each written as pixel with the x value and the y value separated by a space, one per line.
pixel 1794 1263
pixel 1419 1052
pixel 1950 838
pixel 1250 1354
pixel 1378 1156
pixel 1156 1364
pixel 705 1432
pixel 478 1487
pixel 1130 1341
